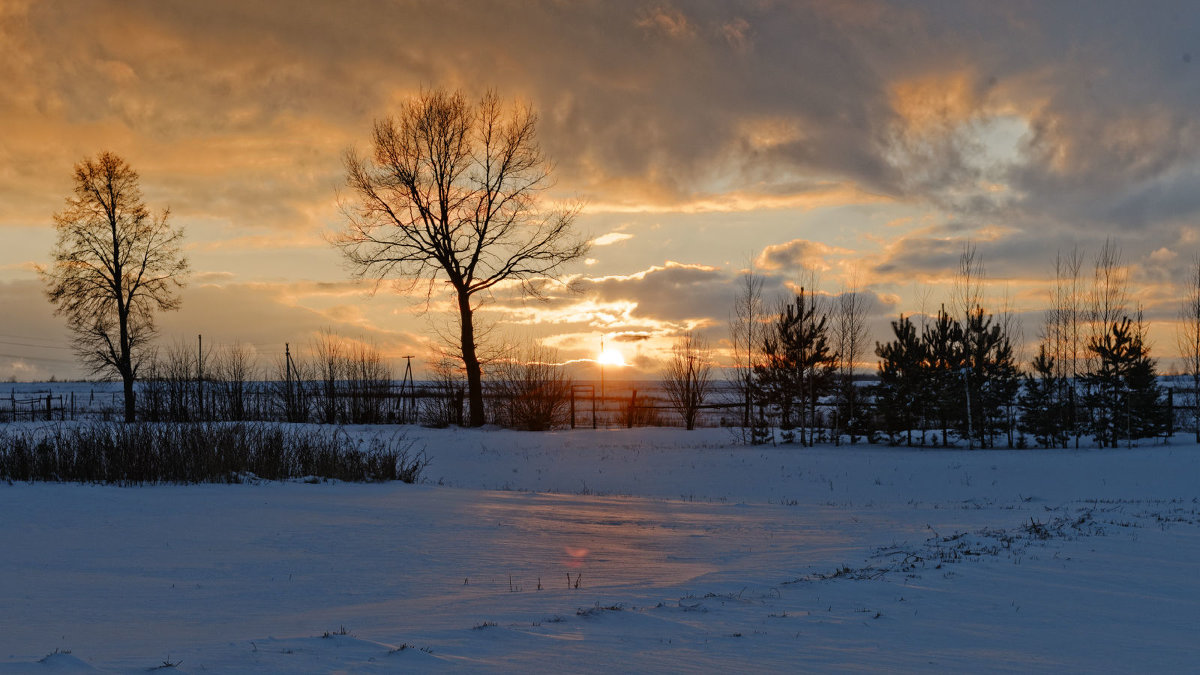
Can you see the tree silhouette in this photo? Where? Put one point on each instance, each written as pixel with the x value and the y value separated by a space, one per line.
pixel 943 351
pixel 902 379
pixel 1123 388
pixel 797 366
pixel 450 191
pixel 115 264
pixel 1044 412
pixel 687 376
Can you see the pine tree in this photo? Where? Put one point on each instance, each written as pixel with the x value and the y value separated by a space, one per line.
pixel 1044 413
pixel 798 365
pixel 942 342
pixel 776 377
pixel 901 379
pixel 1124 395
pixel 992 376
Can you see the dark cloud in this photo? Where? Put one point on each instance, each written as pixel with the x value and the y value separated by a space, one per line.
pixel 655 100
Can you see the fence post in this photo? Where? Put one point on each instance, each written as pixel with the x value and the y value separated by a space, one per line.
pixel 632 407
pixel 572 407
pixel 593 407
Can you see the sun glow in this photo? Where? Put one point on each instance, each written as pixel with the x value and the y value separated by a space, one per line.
pixel 610 357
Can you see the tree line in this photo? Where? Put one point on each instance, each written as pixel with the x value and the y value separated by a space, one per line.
pixel 954 377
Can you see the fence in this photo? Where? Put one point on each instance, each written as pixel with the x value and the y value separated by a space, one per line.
pixel 439 404
pixel 37 407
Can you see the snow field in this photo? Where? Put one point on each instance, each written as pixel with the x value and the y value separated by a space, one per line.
pixel 690 553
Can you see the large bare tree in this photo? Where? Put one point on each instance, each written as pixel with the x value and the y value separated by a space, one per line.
pixel 115 264
pixel 450 192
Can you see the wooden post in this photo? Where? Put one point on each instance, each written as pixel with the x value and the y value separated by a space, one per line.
pixel 593 407
pixel 632 407
pixel 572 407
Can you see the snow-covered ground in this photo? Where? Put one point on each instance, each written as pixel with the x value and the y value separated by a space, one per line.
pixel 622 550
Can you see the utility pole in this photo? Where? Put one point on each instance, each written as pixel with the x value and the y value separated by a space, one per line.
pixel 408 392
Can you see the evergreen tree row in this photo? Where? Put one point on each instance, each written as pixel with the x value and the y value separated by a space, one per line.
pixel 959 378
pixel 956 377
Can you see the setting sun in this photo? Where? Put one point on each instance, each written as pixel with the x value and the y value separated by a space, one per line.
pixel 610 357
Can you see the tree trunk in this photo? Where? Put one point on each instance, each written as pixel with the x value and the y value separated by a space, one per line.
pixel 125 359
pixel 130 409
pixel 1196 404
pixel 471 360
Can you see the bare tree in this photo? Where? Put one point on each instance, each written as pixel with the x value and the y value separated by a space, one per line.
pixel 444 406
pixel 535 390
pixel 850 341
pixel 451 190
pixel 1110 289
pixel 1188 338
pixel 968 283
pixel 328 356
pixel 1107 304
pixel 688 376
pixel 1061 335
pixel 115 264
pixel 745 329
pixel 234 370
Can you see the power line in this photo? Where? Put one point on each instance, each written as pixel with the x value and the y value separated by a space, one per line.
pixel 24 344
pixel 36 358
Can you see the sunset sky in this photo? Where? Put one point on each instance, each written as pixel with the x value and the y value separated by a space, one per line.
pixel 863 140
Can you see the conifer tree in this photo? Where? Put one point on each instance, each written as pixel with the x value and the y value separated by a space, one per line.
pixel 1123 391
pixel 901 379
pixel 797 366
pixel 1044 412
pixel 992 376
pixel 942 341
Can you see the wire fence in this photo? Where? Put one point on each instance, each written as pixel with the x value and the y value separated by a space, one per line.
pixel 441 404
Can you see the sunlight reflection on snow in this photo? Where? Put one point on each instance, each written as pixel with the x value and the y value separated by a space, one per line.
pixel 575 556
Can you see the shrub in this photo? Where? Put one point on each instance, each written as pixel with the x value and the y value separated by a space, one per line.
pixel 134 454
pixel 532 392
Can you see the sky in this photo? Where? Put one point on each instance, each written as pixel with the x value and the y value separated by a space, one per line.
pixel 860 143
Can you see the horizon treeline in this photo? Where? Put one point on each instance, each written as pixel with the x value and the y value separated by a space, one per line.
pixel 956 376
